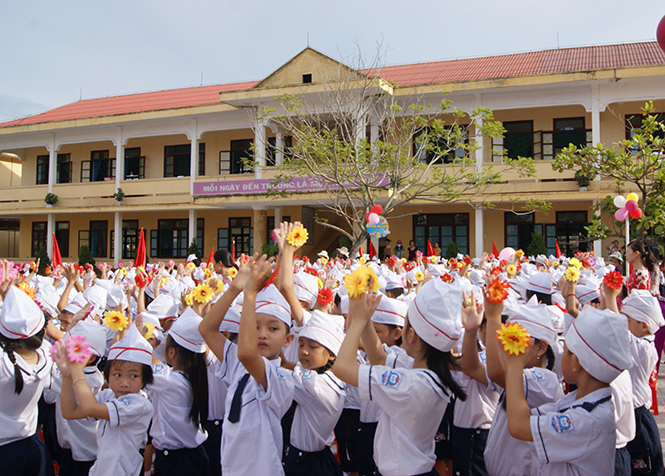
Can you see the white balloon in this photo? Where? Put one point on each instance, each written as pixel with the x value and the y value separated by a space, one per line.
pixel 620 201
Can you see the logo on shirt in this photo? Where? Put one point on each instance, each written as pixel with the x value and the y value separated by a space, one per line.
pixel 307 374
pixel 280 374
pixel 537 375
pixel 124 401
pixel 562 423
pixel 391 379
pixel 157 368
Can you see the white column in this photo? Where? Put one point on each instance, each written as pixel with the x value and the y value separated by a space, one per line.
pixel 595 138
pixel 192 229
pixel 117 236
pixel 480 142
pixel 52 167
pixel 119 163
pixel 50 229
pixel 480 232
pixel 279 146
pixel 193 164
pixel 278 216
pixel 259 148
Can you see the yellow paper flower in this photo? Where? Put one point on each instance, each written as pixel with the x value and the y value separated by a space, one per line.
pixel 191 266
pixel 514 338
pixel 403 260
pixel 511 269
pixel 115 320
pixel 207 272
pixel 357 282
pixel 362 260
pixel 216 282
pixel 123 272
pixel 297 237
pixel 149 329
pixel 433 259
pixel 27 289
pixel 202 294
pixel 572 274
pixel 519 253
pixel 323 261
pixel 163 282
pixel 419 275
pixel 321 284
pixel 232 272
pixel 188 299
pixel 575 262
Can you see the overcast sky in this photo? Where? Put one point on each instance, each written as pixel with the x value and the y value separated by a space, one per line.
pixel 54 52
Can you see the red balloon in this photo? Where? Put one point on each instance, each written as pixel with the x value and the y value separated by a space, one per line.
pixel 377 209
pixel 367 216
pixel 660 34
pixel 621 214
pixel 631 205
pixel 636 213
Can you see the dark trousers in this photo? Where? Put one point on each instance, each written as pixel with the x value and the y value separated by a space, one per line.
pixel 26 457
pixel 366 464
pixel 212 446
pixel 646 452
pixel 70 467
pixel 468 449
pixel 622 462
pixel 347 432
pixel 304 463
pixel 183 462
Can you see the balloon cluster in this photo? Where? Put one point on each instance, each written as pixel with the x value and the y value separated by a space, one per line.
pixel 373 216
pixel 627 206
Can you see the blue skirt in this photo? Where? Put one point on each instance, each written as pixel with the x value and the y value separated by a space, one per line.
pixel 305 463
pixel 646 452
pixel 26 457
pixel 183 462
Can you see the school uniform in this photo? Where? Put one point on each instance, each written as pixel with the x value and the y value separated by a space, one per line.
pixel 347 430
pixel 624 415
pixel 369 420
pixel 253 443
pixel 216 399
pixel 320 400
pixel 505 455
pixel 571 436
pixel 123 435
pixel 178 443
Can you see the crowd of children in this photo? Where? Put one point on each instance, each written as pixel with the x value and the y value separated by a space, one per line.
pixel 498 365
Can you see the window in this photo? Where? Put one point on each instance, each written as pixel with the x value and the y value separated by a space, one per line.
pixel 9 237
pixel 172 238
pixel 271 226
pixel 570 232
pixel 99 168
pixel 518 230
pixel 242 233
pixel 307 78
pixel 442 227
pixel 635 122
pixel 130 238
pixel 177 160
pixel 569 131
pixel 518 139
pixel 38 237
pixel 223 242
pixel 426 153
pixel 63 171
pixel 62 235
pixel 42 170
pixel 134 164
pixel 271 150
pixel 98 238
pixel 241 150
pixel 200 228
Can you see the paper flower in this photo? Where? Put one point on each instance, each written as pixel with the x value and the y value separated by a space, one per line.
pixel 357 282
pixel 362 260
pixel 149 330
pixel 586 263
pixel 115 320
pixel 272 277
pixel 323 261
pixel 232 272
pixel 141 280
pixel 27 289
pixel 390 261
pixel 189 300
pixel 275 234
pixel 190 266
pixel 312 271
pixel 575 262
pixel 419 275
pixel 297 237
pixel 325 297
pixel 419 253
pixel 519 253
pixel 305 259
pixel 497 290
pixel 403 260
pixel 207 272
pixel 202 293
pixel 163 282
pixel 514 338
pixel 47 271
pixel 447 278
pixel 78 350
pixel 452 262
pixel 320 283
pixel 171 263
pixel 572 273
pixel 468 260
pixel 432 259
pixel 613 280
pixel 511 269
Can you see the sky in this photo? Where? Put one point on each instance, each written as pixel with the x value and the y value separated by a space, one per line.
pixel 56 52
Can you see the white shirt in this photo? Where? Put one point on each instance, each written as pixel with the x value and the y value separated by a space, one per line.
pixel 644 357
pixel 404 441
pixel 253 445
pixel 216 389
pixel 320 399
pixel 477 411
pixel 120 438
pixel 172 397
pixel 80 436
pixel 505 455
pixel 624 414
pixel 574 441
pixel 18 413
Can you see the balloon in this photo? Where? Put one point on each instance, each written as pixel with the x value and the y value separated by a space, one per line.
pixel 660 34
pixel 631 205
pixel 506 253
pixel 373 218
pixel 377 209
pixel 367 216
pixel 619 201
pixel 621 214
pixel 636 213
pixel 632 196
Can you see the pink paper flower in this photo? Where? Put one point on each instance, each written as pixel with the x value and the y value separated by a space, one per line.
pixel 54 350
pixel 78 350
pixel 171 263
pixel 419 253
pixel 121 264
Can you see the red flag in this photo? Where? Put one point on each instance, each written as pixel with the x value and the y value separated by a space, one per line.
pixel 233 250
pixel 430 249
pixel 140 251
pixel 558 251
pixel 372 250
pixel 360 251
pixel 57 259
pixel 494 250
pixel 210 258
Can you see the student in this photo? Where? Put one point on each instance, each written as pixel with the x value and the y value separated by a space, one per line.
pixel 259 393
pixel 574 435
pixel 180 397
pixel 404 442
pixel 24 370
pixel 123 409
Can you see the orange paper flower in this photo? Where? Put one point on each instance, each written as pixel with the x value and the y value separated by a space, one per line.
pixel 115 320
pixel 497 290
pixel 27 289
pixel 297 237
pixel 613 280
pixel 514 338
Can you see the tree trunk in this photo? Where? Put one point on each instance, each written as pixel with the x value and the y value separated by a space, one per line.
pixel 359 241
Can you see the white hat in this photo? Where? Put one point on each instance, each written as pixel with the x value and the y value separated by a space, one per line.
pixel 617 255
pixel 536 318
pixel 435 314
pixel 270 301
pixel 97 296
pixel 519 285
pixel 231 321
pixel 391 312
pixel 94 333
pixel 20 317
pixel 191 257
pixel 76 304
pixel 132 348
pixel 343 251
pixel 476 278
pixel 198 274
pixel 163 307
pixel 541 259
pixel 643 307
pixel 344 303
pixel 394 281
pixel 326 329
pixel 587 291
pixel 436 270
pixel 306 286
pixel 185 331
pixel 48 297
pixel 558 318
pixel 601 342
pixel 323 254
pixel 540 282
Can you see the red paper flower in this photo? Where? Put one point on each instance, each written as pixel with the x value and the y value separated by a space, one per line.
pixel 140 280
pixel 325 297
pixel 305 259
pixel 453 263
pixel 613 280
pixel 296 257
pixel 467 259
pixel 271 279
pixel 390 261
pixel 312 271
pixel 447 278
pixel 586 263
pixel 497 290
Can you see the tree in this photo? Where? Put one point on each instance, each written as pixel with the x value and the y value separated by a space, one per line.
pixel 44 260
pixel 537 245
pixel 414 154
pixel 193 249
pixel 636 164
pixel 85 256
pixel 452 250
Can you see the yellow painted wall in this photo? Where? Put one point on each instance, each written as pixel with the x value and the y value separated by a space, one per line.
pixel 10 172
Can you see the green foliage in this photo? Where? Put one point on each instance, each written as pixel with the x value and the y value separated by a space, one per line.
pixel 451 250
pixel 537 245
pixel 582 178
pixel 85 256
pixel 269 250
pixel 119 195
pixel 44 260
pixel 51 198
pixel 344 241
pixel 193 249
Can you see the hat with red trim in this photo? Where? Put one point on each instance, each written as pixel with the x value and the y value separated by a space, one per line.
pixel 20 317
pixel 94 333
pixel 390 311
pixel 601 342
pixel 306 286
pixel 642 306
pixel 185 331
pixel 132 348
pixel 270 301
pixel 588 290
pixel 231 321
pixel 436 314
pixel 540 283
pixel 326 329
pixel 536 318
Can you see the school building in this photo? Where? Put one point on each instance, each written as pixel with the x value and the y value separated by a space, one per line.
pixel 178 157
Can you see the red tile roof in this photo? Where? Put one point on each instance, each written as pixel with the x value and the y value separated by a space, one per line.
pixel 491 67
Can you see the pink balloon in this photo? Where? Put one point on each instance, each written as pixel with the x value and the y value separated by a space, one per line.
pixel 373 218
pixel 506 253
pixel 636 213
pixel 631 205
pixel 621 214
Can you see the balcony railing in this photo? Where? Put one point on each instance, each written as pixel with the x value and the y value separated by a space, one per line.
pixel 543 144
